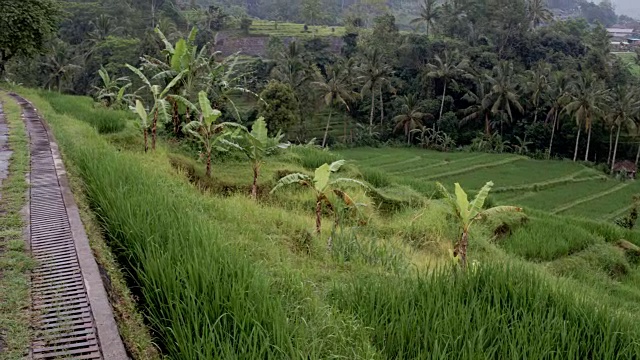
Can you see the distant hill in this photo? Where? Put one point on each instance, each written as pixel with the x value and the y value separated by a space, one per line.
pixel 627 7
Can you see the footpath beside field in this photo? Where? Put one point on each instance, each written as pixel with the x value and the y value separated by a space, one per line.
pixel 71 310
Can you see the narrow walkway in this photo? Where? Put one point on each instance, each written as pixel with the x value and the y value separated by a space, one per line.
pixel 5 152
pixel 73 317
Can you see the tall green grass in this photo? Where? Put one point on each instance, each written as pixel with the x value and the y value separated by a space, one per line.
pixel 495 312
pixel 105 120
pixel 202 294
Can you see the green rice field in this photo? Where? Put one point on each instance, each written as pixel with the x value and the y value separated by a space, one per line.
pixel 560 187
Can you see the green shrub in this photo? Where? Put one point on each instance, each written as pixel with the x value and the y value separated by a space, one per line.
pixel 311 157
pixel 495 312
pixel 376 177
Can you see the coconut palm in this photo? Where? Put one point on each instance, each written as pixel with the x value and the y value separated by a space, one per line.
pixel 430 11
pixel 60 64
pixel 588 98
pixel 323 184
pixel 625 108
pixel 468 212
pixel 537 85
pixel 504 95
pixel 410 116
pixel 335 90
pixel 538 13
pixel 480 105
pixel 447 69
pixel 558 95
pixel 375 74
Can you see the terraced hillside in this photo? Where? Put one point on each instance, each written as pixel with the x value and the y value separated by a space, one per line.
pixel 560 187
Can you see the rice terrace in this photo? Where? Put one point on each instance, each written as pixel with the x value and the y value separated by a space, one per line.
pixel 319 179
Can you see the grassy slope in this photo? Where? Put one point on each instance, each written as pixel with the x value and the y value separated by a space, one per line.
pixel 561 186
pixel 15 321
pixel 272 28
pixel 225 276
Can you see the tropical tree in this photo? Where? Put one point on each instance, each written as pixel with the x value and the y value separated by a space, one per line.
pixel 480 105
pixel 210 135
pixel 537 85
pixel 625 108
pixel 160 103
pixel 257 145
pixel 504 95
pixel 322 185
pixel 588 97
pixel 447 69
pixel 335 89
pixel 375 74
pixel 467 213
pixel 60 64
pixel 143 121
pixel 558 95
pixel 110 90
pixel 538 13
pixel 430 11
pixel 410 116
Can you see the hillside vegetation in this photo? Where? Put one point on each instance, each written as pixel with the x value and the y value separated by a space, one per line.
pixel 221 275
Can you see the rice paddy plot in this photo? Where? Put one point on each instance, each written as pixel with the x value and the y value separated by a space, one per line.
pixel 555 197
pixel 607 204
pixel 516 173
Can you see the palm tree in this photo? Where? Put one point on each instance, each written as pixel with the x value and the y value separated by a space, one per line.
pixel 588 97
pixel 625 108
pixel 481 105
pixel 59 64
pixel 430 12
pixel 410 116
pixel 323 185
pixel 537 85
pixel 375 73
pixel 335 89
pixel 558 95
pixel 538 12
pixel 503 95
pixel 447 69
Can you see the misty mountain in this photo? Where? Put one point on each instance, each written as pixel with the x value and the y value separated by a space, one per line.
pixel 627 7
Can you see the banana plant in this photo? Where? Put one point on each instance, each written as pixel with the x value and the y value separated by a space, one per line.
pixel 257 145
pixel 468 212
pixel 322 185
pixel 143 121
pixel 110 91
pixel 210 135
pixel 160 103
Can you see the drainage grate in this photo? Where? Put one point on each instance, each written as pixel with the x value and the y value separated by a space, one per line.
pixel 64 322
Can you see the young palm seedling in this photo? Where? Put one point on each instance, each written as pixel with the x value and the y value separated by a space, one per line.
pixel 257 145
pixel 322 184
pixel 209 134
pixel 468 212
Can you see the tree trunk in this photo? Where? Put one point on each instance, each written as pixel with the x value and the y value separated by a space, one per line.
pixel 610 146
pixel 146 146
pixel 638 155
pixel 345 130
pixel 254 187
pixel 154 127
pixel 208 163
pixel 176 118
pixel 575 151
pixel 318 215
pixel 553 133
pixel 444 93
pixel 487 126
pixel 373 99
pixel 615 150
pixel 460 250
pixel 381 109
pixel 586 155
pixel 326 130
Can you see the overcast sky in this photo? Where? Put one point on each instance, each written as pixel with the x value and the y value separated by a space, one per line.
pixel 627 7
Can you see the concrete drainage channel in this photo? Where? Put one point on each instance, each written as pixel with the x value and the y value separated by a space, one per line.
pixel 73 317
